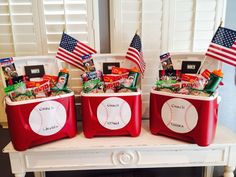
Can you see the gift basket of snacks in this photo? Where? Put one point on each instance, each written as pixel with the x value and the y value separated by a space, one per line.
pixel 111 97
pixel 184 101
pixel 39 106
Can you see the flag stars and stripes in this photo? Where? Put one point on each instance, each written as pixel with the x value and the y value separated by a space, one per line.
pixel 134 53
pixel 136 44
pixel 68 43
pixel 224 37
pixel 223 46
pixel 71 51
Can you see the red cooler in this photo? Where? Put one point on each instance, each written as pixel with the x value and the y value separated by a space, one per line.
pixel 185 117
pixel 38 121
pixel 111 114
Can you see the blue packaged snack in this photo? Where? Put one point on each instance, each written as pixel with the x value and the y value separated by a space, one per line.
pixel 88 63
pixel 166 61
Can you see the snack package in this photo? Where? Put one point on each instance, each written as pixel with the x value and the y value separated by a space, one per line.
pixel 32 84
pixel 194 81
pixel 19 87
pixel 42 91
pixel 88 63
pixel 63 78
pixel 206 74
pixel 132 80
pixel 188 78
pixel 116 70
pixel 115 77
pixel 28 95
pixel 90 85
pixel 92 75
pixel 16 80
pixel 111 87
pixel 18 92
pixel 169 74
pixel 89 75
pixel 166 61
pixel 51 79
pixel 9 70
pixel 199 83
pixel 165 83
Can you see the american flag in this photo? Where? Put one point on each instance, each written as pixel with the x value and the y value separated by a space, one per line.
pixel 71 51
pixel 134 53
pixel 223 46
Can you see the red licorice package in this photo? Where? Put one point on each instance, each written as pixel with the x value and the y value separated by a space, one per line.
pixel 188 78
pixel 116 70
pixel 51 79
pixel 42 90
pixel 114 77
pixel 112 86
pixel 32 84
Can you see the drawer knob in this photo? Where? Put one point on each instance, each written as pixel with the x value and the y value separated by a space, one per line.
pixel 125 157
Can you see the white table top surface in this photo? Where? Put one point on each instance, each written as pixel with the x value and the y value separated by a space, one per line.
pixel 144 140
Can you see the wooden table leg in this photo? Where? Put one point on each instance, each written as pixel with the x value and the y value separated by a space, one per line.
pixel 208 171
pixel 39 174
pixel 19 174
pixel 229 171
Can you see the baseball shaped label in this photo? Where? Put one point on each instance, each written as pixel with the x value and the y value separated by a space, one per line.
pixel 179 115
pixel 47 118
pixel 113 113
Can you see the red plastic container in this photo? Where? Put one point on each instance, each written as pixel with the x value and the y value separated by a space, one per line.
pixel 111 114
pixel 185 117
pixel 38 121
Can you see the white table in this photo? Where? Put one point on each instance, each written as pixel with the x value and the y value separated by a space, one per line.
pixel 144 151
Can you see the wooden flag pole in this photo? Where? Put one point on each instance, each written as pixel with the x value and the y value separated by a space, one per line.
pixel 199 69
